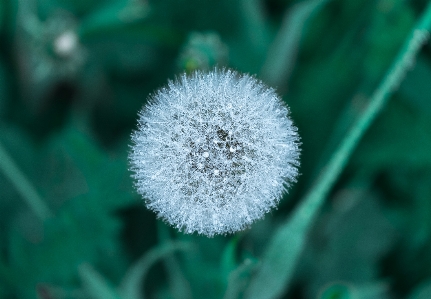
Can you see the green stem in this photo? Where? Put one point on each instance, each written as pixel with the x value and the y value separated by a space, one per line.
pixel 23 185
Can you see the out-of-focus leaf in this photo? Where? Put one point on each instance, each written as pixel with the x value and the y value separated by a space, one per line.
pixel 78 7
pixel 423 291
pixel 3 79
pixel 282 54
pixel 386 33
pixel 114 15
pixel 95 284
pixel 401 136
pixel 228 260
pixel 238 279
pixel 278 262
pixel 128 19
pixel 340 290
pixel 91 187
pixel 203 51
pixel 80 232
pixel 248 47
pixel 179 286
pixel 2 12
pixel 415 89
pixel 106 178
pixel 348 242
pixel 205 259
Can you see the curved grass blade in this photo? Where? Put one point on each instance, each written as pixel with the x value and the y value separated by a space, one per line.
pixel 23 185
pixel 131 285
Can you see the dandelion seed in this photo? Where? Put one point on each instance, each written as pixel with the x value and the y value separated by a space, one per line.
pixel 224 150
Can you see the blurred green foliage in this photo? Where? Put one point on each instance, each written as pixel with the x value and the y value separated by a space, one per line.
pixel 73 76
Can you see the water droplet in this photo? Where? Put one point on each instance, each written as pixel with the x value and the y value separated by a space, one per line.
pixel 206 154
pixel 216 171
pixel 232 149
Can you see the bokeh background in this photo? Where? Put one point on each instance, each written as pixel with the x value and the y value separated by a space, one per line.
pixel 73 76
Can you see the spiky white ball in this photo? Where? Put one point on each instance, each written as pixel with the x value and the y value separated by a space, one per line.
pixel 214 151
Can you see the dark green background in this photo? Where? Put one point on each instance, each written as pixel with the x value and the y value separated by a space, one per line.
pixel 66 119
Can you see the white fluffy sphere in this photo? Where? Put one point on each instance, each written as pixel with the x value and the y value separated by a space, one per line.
pixel 214 152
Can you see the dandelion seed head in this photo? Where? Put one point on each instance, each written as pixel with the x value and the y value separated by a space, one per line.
pixel 214 152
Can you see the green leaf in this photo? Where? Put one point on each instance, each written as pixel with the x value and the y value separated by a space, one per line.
pixel 416 89
pixel 350 291
pixel 348 242
pixel 89 168
pixel 423 291
pixel 228 259
pixel 2 12
pixel 401 127
pixel 283 51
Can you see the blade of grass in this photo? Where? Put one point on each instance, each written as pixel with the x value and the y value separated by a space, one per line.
pixel 132 282
pixel 178 284
pixel 282 53
pixel 286 245
pixel 23 185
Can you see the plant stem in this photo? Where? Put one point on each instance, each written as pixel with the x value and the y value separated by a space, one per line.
pixel 23 185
